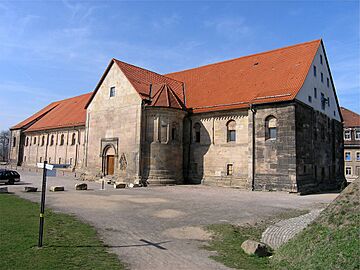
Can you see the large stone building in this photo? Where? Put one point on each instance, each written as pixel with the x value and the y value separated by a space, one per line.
pixel 268 121
pixel 351 144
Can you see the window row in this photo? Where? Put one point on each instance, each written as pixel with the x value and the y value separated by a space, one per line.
pixel 321 76
pixel 348 134
pixel 348 156
pixel 270 130
pixel 52 140
pixel 60 160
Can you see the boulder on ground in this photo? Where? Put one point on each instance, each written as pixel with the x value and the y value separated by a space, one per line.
pixel 252 247
pixel 31 189
pixel 120 185
pixel 57 188
pixel 81 186
pixel 3 190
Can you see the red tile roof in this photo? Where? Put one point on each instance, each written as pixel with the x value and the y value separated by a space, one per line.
pixel 266 77
pixel 65 113
pixel 142 80
pixel 162 95
pixel 35 116
pixel 351 119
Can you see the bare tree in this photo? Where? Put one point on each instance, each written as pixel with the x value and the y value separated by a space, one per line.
pixel 4 145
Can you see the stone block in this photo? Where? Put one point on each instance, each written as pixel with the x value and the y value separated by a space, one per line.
pixel 57 188
pixel 30 189
pixel 119 185
pixel 81 186
pixel 3 190
pixel 252 247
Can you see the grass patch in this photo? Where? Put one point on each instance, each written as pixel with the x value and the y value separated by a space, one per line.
pixel 68 243
pixel 331 242
pixel 227 240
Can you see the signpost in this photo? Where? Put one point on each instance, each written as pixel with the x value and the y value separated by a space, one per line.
pixel 45 168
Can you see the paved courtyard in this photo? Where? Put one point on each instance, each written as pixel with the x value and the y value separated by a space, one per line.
pixel 161 227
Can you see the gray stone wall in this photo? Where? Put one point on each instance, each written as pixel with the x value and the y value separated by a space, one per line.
pixel 320 164
pixel 207 161
pixel 15 153
pixel 162 146
pixel 275 159
pixel 49 146
pixel 113 123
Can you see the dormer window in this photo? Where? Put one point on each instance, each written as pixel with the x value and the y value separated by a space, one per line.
pixel 112 91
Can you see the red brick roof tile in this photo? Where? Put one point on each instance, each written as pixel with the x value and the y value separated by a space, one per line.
pixel 67 113
pixel 351 119
pixel 35 116
pixel 271 76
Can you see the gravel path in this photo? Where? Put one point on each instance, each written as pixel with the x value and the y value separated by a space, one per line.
pixel 281 232
pixel 162 227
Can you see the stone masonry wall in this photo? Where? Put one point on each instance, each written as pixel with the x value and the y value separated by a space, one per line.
pixel 39 145
pixel 162 146
pixel 113 123
pixel 275 159
pixel 320 164
pixel 207 161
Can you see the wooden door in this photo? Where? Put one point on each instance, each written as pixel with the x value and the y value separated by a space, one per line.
pixel 110 165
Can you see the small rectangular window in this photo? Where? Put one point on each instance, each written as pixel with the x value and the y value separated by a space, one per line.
pixel 347 156
pixel 229 169
pixel 328 82
pixel 347 135
pixel 272 133
pixel 357 134
pixel 197 136
pixel 112 91
pixel 59 160
pixel 314 71
pixel 49 159
pixel 323 101
pixel 71 161
pixel 310 99
pixel 357 156
pixel 321 59
pixel 348 171
pixel 322 77
pixel 231 136
pixel 315 92
pixel 40 159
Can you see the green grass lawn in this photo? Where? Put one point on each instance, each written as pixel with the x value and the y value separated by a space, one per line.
pixel 227 240
pixel 68 243
pixel 331 242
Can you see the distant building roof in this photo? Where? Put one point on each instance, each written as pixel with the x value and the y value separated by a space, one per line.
pixel 64 113
pixel 351 119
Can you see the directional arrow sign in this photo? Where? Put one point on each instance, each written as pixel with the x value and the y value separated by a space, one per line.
pixel 47 166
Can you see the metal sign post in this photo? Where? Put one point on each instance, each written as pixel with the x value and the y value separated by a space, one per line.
pixel 42 207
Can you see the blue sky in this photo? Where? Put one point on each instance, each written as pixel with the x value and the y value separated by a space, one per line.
pixel 50 50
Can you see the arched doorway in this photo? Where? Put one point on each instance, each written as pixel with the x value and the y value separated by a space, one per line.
pixel 109 160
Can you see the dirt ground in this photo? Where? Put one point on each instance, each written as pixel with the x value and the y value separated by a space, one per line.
pixel 162 227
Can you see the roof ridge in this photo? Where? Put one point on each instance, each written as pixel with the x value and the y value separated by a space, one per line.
pixel 343 108
pixel 145 69
pixel 246 56
pixel 61 100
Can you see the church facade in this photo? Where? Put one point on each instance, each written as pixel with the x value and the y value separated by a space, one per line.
pixel 269 121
